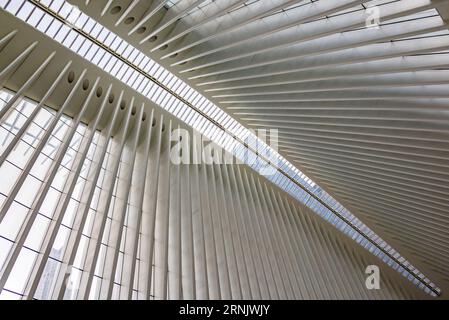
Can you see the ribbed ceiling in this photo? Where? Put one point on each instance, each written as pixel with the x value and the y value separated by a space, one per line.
pixel 364 111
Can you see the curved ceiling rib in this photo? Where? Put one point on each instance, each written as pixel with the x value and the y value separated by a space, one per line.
pixel 339 92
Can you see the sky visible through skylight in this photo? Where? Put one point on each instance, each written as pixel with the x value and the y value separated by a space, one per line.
pixel 124 69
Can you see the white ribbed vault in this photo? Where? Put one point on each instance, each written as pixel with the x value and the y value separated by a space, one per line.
pixel 362 111
pixel 77 188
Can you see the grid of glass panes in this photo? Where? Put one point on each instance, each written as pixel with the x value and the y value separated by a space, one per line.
pixel 121 69
pixel 18 214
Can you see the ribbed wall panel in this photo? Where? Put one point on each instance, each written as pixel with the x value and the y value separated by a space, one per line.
pixel 93 208
pixel 206 232
pixel 361 104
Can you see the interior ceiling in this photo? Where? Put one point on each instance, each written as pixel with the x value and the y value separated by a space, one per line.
pixel 362 111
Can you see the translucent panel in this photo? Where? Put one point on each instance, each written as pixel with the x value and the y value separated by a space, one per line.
pixel 21 271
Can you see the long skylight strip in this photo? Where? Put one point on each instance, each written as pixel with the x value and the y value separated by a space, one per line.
pixel 28 12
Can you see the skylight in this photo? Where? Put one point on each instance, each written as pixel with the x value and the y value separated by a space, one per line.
pixel 95 43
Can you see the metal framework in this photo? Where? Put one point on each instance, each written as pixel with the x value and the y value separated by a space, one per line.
pixel 307 95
